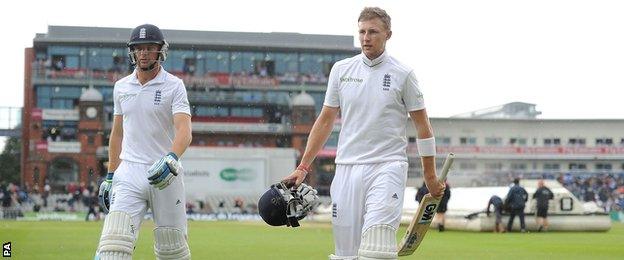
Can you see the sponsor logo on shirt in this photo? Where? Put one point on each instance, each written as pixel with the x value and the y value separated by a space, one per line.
pixel 351 80
pixel 123 97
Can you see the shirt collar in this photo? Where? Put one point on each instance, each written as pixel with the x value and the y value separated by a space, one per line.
pixel 160 78
pixel 376 61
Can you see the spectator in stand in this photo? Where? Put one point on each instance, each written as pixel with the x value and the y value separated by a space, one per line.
pixel 190 208
pixel 221 206
pixel 5 195
pixel 238 204
pixel 59 65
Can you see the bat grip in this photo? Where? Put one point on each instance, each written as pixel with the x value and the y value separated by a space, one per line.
pixel 447 166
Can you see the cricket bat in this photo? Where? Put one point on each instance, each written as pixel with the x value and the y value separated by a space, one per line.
pixel 421 221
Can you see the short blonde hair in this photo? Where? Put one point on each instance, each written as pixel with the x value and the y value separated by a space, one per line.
pixel 369 13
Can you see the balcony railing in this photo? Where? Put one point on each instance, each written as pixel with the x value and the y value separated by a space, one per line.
pixel 217 127
pixel 208 80
pixel 225 97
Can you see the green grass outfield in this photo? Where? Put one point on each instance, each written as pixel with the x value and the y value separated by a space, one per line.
pixel 253 240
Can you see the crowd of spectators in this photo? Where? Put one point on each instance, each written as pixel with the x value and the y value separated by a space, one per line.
pixel 73 198
pixel 606 190
pixel 82 197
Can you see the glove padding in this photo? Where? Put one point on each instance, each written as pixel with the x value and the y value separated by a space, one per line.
pixel 164 171
pixel 308 196
pixel 300 202
pixel 105 192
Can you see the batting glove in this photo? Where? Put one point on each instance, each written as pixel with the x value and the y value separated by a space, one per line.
pixel 308 196
pixel 164 171
pixel 105 191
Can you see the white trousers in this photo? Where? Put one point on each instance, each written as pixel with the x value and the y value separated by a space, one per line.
pixel 364 195
pixel 132 193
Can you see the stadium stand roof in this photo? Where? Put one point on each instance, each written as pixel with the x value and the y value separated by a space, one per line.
pixel 513 110
pixel 186 38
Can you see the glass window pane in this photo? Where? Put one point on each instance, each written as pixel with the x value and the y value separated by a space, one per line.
pixel 236 62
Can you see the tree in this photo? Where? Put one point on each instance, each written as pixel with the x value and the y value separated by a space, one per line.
pixel 10 161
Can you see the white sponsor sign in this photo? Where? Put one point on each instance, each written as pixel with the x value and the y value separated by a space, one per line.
pixel 219 176
pixel 63 147
pixel 60 114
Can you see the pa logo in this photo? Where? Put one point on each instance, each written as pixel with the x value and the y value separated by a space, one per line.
pixel 6 249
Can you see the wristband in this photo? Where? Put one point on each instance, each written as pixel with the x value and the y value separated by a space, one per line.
pixel 426 147
pixel 109 177
pixel 173 155
pixel 304 168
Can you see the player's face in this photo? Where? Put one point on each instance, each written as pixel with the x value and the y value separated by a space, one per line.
pixel 146 54
pixel 373 37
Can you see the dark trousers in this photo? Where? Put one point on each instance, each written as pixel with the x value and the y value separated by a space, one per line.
pixel 91 211
pixel 512 215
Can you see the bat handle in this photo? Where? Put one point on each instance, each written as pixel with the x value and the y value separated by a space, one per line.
pixel 447 166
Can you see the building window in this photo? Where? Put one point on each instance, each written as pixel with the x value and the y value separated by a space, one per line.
pixel 604 166
pixel 286 65
pixel 214 62
pixel 177 61
pixel 246 112
pixel 576 141
pixel 468 166
pixel 551 166
pixel 443 140
pixel 467 140
pixel 58 97
pixel 212 111
pixel 411 139
pixel 332 141
pixel 55 131
pixel 62 171
pixel 493 141
pixel 552 141
pixel 494 166
pixel 604 141
pixel 577 166
pixel 518 141
pixel 518 166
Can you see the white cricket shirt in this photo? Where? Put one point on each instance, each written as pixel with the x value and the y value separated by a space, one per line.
pixel 374 97
pixel 148 111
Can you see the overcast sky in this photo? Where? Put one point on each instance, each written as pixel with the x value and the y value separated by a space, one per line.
pixel 565 56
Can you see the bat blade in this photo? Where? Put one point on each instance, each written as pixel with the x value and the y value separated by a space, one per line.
pixel 420 222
